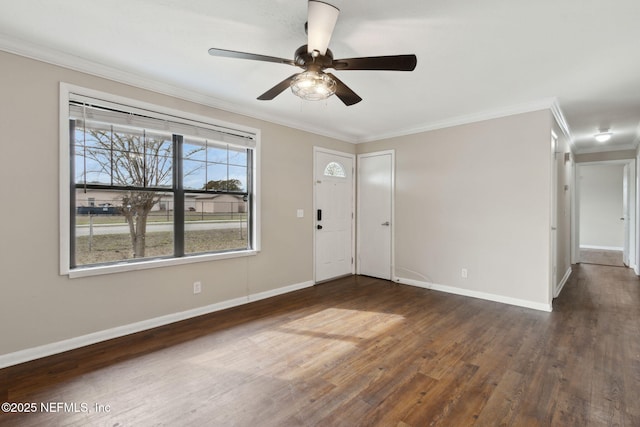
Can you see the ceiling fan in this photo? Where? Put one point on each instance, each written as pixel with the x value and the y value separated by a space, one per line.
pixel 314 57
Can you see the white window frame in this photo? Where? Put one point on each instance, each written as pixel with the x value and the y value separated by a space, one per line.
pixel 66 90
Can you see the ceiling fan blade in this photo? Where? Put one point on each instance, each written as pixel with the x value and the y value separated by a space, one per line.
pixel 346 95
pixel 321 20
pixel 390 63
pixel 252 56
pixel 277 89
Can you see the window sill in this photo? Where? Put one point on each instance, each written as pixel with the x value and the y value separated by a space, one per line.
pixel 153 263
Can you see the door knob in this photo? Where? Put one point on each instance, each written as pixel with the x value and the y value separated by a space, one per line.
pixel 319 227
pixel 387 223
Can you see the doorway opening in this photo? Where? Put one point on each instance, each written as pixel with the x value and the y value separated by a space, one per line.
pixel 605 215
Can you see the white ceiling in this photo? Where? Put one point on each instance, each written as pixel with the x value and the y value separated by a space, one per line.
pixel 475 59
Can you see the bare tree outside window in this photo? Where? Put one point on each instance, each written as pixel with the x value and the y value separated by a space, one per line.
pixel 131 160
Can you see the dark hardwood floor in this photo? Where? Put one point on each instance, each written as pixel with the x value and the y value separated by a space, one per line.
pixel 360 352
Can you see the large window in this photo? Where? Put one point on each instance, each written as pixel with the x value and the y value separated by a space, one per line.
pixel 147 185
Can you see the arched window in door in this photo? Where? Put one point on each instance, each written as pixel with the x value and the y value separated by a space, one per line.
pixel 335 170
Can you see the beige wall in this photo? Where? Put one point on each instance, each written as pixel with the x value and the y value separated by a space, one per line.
pixel 38 306
pixel 606 156
pixel 476 196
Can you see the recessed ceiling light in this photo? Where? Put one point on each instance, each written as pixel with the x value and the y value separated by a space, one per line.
pixel 603 136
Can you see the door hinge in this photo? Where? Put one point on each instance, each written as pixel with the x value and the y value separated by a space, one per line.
pixel 351 260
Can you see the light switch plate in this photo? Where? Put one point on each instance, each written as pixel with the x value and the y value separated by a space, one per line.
pixel 300 213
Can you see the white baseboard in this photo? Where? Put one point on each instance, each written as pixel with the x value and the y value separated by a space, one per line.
pixel 279 291
pixel 29 354
pixel 602 248
pixel 476 294
pixel 560 285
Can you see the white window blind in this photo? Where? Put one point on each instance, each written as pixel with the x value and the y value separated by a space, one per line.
pixel 100 111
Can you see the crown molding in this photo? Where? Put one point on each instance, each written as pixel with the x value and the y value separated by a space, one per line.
pixel 636 140
pixel 561 121
pixel 542 104
pixel 72 62
pixel 66 60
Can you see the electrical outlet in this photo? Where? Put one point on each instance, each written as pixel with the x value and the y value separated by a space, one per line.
pixel 197 287
pixel 464 274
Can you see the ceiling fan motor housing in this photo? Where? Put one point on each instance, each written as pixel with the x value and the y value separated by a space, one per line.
pixel 304 59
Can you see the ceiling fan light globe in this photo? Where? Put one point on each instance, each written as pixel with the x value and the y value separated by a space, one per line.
pixel 313 86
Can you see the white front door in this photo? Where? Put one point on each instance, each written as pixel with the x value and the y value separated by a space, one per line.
pixel 333 215
pixel 375 214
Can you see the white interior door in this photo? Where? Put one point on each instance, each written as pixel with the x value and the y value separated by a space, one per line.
pixel 632 216
pixel 625 214
pixel 553 282
pixel 333 214
pixel 375 214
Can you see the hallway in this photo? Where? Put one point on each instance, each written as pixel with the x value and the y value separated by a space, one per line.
pixel 597 346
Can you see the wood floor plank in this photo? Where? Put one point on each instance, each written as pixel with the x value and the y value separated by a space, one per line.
pixel 360 351
pixel 438 402
pixel 407 398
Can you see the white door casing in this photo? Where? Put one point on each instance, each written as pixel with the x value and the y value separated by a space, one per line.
pixel 375 214
pixel 632 215
pixel 553 281
pixel 333 216
pixel 625 213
